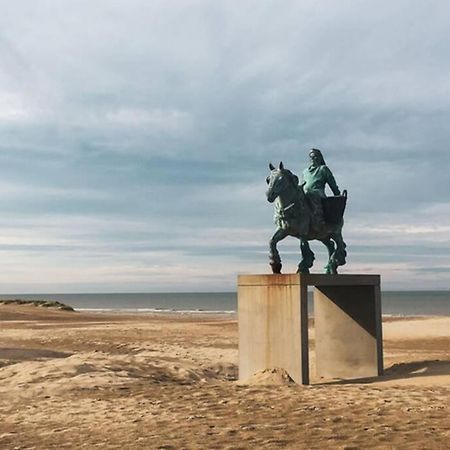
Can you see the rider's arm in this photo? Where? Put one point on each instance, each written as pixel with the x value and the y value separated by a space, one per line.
pixel 332 182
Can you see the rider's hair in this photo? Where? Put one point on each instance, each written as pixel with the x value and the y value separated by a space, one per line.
pixel 319 154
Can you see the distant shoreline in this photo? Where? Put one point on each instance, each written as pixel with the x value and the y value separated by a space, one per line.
pixel 142 311
pixel 398 303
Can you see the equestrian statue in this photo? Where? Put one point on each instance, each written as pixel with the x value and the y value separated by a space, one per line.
pixel 305 212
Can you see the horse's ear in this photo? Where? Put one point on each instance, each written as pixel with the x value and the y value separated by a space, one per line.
pixel 281 165
pixel 271 166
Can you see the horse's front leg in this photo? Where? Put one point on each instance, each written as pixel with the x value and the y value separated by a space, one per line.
pixel 274 256
pixel 307 256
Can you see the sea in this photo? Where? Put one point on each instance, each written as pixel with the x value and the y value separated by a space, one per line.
pixel 394 303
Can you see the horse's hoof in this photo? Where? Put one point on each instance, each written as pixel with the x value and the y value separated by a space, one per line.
pixel 276 268
pixel 330 270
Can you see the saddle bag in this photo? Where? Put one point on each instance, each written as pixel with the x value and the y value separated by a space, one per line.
pixel 334 207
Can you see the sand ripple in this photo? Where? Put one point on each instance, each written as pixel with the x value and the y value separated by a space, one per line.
pixel 170 382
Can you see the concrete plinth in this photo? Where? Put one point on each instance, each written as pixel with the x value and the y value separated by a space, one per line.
pixel 273 325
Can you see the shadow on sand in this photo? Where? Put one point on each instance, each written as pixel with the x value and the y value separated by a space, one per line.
pixel 10 356
pixel 402 371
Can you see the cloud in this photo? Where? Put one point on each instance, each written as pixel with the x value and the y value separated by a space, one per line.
pixel 136 136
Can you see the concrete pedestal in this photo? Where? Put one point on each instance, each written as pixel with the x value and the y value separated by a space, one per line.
pixel 273 325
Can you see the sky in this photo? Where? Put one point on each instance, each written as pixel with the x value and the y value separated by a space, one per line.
pixel 135 138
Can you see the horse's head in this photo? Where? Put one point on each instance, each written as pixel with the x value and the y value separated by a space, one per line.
pixel 279 181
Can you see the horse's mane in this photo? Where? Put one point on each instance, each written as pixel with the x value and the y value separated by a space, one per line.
pixel 280 215
pixel 292 176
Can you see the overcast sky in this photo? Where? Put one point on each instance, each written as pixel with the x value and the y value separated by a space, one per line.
pixel 135 138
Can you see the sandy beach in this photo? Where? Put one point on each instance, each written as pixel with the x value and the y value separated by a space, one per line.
pixel 85 380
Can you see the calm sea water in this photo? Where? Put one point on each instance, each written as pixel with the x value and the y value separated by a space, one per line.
pixel 404 303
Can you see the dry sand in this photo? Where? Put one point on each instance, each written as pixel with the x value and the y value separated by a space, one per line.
pixel 78 380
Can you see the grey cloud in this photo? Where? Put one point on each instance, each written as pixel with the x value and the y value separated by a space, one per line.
pixel 168 114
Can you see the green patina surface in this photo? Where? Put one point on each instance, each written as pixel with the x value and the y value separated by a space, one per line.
pixel 299 212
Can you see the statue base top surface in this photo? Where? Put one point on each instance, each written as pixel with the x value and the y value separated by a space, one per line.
pixel 310 279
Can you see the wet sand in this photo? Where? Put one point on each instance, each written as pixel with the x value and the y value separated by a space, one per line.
pixel 79 380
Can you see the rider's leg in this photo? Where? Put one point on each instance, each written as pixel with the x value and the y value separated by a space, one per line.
pixel 318 219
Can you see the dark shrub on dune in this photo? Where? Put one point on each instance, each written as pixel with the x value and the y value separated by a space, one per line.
pixel 42 303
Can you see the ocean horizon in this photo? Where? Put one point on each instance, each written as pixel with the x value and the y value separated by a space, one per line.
pixel 397 303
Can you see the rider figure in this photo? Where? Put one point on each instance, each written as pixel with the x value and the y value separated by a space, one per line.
pixel 315 178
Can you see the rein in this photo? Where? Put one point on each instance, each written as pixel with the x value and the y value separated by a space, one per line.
pixel 288 207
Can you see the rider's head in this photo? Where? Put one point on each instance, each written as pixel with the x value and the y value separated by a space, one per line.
pixel 316 157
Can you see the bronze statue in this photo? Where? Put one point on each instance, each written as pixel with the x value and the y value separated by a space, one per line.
pixel 305 212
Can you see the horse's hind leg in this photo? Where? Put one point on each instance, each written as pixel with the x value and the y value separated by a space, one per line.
pixel 307 257
pixel 329 268
pixel 338 257
pixel 274 255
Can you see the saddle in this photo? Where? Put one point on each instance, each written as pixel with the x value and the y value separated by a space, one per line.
pixel 334 207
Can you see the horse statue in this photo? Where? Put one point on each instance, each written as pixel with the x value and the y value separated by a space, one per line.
pixel 294 217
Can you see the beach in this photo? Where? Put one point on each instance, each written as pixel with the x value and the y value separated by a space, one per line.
pixel 169 381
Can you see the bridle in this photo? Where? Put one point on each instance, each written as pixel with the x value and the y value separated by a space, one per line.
pixel 292 180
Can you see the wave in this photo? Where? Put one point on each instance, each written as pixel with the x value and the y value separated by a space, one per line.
pixel 155 311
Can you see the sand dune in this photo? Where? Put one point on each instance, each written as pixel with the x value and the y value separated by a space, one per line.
pixel 110 381
pixel 268 377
